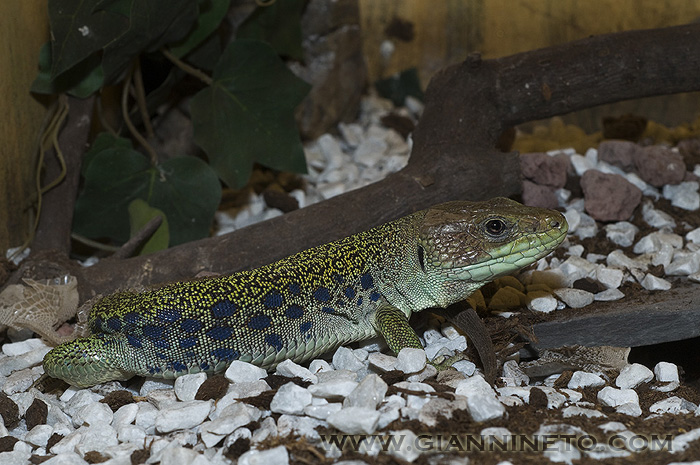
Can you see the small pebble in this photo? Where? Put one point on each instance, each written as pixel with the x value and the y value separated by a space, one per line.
pixel 355 420
pixel 583 379
pixel 481 399
pixel 410 360
pixel 290 399
pixel 633 375
pixel 666 372
pixel 242 372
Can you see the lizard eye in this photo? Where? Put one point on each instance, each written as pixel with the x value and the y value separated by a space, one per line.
pixel 495 227
pixel 421 258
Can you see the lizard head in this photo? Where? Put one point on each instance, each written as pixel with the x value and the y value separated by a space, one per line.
pixel 463 245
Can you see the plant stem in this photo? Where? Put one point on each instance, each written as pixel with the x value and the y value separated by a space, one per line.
pixel 187 68
pixel 125 114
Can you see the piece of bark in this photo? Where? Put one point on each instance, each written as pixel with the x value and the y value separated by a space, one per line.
pixel 467 107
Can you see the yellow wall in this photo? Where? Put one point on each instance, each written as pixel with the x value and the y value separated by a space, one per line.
pixel 23 28
pixel 447 30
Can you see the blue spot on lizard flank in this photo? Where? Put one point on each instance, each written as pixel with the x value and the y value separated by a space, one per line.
pixel 225 353
pixel 179 366
pixel 274 340
pixel 114 323
pixel 367 281
pixel 187 342
pixel 133 318
pixel 161 355
pixel 189 354
pixel 168 314
pixel 322 294
pixel 134 341
pixel 294 312
pixel 359 302
pixel 204 366
pixel 304 327
pixel 161 343
pixel 337 277
pixel 223 309
pixel 295 288
pixel 328 310
pixel 219 333
pixel 153 331
pixel 190 325
pixel 349 292
pixel 273 300
pixel 374 296
pixel 259 322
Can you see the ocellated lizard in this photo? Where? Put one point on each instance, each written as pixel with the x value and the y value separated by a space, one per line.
pixel 312 302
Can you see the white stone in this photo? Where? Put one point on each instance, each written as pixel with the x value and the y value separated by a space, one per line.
pixel 186 386
pixel 583 379
pixel 446 346
pixel 318 365
pixel 544 304
pixel 666 372
pixel 656 218
pixel 481 399
pixel 290 369
pixel 182 415
pixel 352 133
pixel 575 411
pixel 333 389
pixel 300 426
pixel 9 365
pixel 93 413
pixel 146 417
pixel 346 359
pixel 574 298
pixel 154 384
pixel 575 268
pixel 407 450
pixel 561 451
pixel 609 295
pixel 587 227
pixel 683 265
pixel 653 242
pixel 693 236
pixel 629 408
pixel 633 375
pixel 673 405
pixel 355 420
pixel 621 233
pixel 410 360
pixel 330 149
pixel 23 347
pixel 131 433
pixel 243 372
pixel 39 435
pixel 684 195
pixel 275 456
pixel 382 361
pixel 125 415
pixel 581 164
pixel 321 412
pixel 613 397
pixel 464 366
pixel 291 399
pixel 663 256
pixel 652 283
pixel 370 151
pixel 573 218
pixel 611 278
pixel 575 250
pixel 161 398
pixel 617 259
pixel 368 394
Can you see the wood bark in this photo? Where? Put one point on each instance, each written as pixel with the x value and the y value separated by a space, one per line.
pixel 467 107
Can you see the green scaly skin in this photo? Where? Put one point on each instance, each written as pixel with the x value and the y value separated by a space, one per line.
pixel 314 301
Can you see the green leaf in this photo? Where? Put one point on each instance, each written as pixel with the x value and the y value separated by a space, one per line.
pixel 80 81
pixel 247 114
pixel 151 24
pixel 141 213
pixel 103 141
pixel 211 12
pixel 78 30
pixel 185 188
pixel 278 24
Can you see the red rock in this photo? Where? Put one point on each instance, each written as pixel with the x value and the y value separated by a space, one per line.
pixel 536 195
pixel 609 197
pixel 620 153
pixel 659 165
pixel 542 169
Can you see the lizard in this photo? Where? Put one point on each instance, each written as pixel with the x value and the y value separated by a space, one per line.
pixel 297 308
